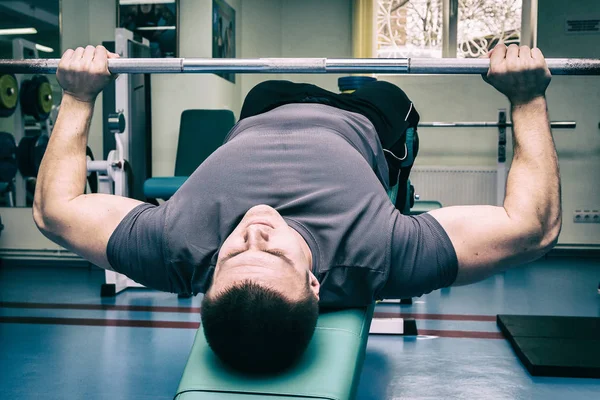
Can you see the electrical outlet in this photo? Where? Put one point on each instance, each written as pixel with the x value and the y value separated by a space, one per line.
pixel 586 216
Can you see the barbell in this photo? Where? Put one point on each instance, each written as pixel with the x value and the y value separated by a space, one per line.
pixel 557 66
pixel 495 124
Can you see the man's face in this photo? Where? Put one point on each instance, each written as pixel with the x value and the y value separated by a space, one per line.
pixel 264 250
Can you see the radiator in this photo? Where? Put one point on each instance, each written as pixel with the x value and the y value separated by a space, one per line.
pixel 453 186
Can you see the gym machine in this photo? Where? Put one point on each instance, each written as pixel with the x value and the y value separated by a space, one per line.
pixel 126 139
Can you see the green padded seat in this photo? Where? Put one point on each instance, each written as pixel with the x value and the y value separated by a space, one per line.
pixel 163 187
pixel 329 369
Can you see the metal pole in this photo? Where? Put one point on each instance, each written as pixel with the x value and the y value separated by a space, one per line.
pixel 98 166
pixel 501 172
pixel 495 124
pixel 558 66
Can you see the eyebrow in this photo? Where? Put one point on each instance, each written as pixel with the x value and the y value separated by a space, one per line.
pixel 272 252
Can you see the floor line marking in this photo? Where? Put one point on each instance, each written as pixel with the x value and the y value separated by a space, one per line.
pixel 193 310
pixel 194 325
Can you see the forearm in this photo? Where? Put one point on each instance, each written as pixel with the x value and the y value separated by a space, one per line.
pixel 63 172
pixel 533 185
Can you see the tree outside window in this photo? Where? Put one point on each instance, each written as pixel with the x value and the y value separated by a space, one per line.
pixel 415 28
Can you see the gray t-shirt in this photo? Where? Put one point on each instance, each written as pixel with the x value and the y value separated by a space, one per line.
pixel 324 171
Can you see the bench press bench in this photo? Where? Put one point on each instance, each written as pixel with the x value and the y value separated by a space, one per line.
pixel 329 369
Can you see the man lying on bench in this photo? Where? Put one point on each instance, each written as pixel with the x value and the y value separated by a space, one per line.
pixel 292 211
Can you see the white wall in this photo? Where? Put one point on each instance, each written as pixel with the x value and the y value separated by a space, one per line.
pixel 291 28
pixel 172 94
pixel 553 40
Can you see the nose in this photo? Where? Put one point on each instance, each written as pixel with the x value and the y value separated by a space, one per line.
pixel 257 235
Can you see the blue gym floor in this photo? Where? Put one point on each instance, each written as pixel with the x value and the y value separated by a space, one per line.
pixel 60 340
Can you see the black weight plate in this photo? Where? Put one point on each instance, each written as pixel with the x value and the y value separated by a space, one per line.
pixel 8 160
pixel 8 169
pixel 27 97
pixel 8 146
pixel 25 156
pixel 36 97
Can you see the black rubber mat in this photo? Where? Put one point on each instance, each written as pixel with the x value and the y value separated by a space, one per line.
pixel 555 346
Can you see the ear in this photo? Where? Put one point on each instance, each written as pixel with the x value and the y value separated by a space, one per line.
pixel 315 286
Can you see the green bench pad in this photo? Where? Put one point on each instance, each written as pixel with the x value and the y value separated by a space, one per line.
pixel 329 369
pixel 163 187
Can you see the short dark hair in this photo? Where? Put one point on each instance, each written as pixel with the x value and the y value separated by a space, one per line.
pixel 256 329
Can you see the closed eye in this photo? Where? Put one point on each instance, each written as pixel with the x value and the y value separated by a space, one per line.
pixel 277 253
pixel 280 254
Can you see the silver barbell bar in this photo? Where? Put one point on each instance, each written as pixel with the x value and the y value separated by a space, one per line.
pixel 558 66
pixel 479 124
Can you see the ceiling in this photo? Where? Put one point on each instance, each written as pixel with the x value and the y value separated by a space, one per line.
pixel 43 15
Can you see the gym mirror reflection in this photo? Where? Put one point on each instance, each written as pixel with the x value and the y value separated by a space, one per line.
pixel 28 29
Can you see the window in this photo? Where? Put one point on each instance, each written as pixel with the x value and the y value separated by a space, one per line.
pixel 484 23
pixel 409 28
pixel 416 28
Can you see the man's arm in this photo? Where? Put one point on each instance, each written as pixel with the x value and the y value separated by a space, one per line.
pixel 490 239
pixel 78 222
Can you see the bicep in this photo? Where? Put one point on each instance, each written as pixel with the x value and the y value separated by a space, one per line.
pixel 486 240
pixel 86 223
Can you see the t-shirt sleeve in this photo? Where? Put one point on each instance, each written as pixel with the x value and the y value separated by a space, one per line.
pixel 422 258
pixel 136 247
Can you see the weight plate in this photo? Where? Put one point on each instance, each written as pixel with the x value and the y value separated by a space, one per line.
pixel 9 95
pixel 25 156
pixel 27 99
pixel 8 169
pixel 36 97
pixel 8 161
pixel 44 97
pixel 8 146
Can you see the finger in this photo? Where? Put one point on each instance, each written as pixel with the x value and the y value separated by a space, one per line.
pixel 512 53
pixel 538 59
pixel 113 55
pixel 537 55
pixel 78 54
pixel 498 54
pixel 66 57
pixel 525 53
pixel 100 59
pixel 67 54
pixel 99 49
pixel 65 61
pixel 88 55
